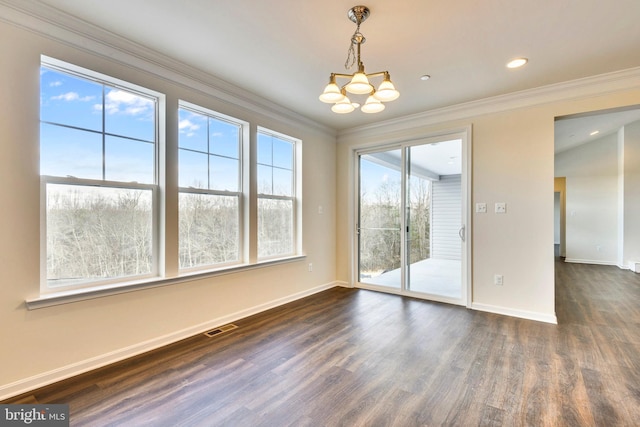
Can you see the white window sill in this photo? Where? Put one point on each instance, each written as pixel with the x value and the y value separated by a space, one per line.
pixel 69 296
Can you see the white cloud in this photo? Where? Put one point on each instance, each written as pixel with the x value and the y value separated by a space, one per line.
pixel 56 83
pixel 71 96
pixel 119 101
pixel 187 127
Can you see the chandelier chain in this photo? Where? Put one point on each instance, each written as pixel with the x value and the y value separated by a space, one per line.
pixel 356 38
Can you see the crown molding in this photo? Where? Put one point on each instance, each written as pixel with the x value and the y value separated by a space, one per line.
pixel 601 84
pixel 53 24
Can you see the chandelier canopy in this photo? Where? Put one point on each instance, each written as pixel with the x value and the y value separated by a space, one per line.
pixel 359 83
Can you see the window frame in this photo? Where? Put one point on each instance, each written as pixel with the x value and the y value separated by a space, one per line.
pixel 295 197
pixel 158 99
pixel 239 194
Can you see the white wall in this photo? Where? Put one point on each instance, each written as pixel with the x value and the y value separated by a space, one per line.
pixel 591 200
pixel 603 198
pixel 43 345
pixel 631 194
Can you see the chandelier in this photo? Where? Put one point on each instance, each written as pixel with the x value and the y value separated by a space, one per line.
pixel 359 83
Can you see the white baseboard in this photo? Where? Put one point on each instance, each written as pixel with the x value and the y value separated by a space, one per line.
pixel 589 261
pixel 343 284
pixel 523 314
pixel 50 377
pixel 633 266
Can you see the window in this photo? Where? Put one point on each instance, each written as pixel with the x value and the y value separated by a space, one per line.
pixel 276 195
pixel 210 148
pixel 98 167
pixel 103 199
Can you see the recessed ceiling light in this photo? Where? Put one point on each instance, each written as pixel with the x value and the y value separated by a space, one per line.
pixel 595 132
pixel 425 77
pixel 516 63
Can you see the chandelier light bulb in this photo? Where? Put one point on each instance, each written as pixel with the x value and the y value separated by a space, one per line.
pixel 386 91
pixel 359 84
pixel 372 105
pixel 343 107
pixel 332 93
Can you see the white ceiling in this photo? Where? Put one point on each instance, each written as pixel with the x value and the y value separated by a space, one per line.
pixel 577 129
pixel 284 50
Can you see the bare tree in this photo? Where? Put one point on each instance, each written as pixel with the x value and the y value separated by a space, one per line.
pixel 98 233
pixel 381 226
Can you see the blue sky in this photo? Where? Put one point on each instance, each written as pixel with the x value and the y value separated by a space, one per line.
pixel 209 155
pixel 78 103
pixel 373 176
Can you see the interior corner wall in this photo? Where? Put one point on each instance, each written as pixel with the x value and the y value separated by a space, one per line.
pixel 631 231
pixel 42 345
pixel 591 172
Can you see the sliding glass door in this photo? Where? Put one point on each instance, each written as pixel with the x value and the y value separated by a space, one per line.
pixel 380 224
pixel 411 222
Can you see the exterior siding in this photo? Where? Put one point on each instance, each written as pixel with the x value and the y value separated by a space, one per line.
pixel 446 218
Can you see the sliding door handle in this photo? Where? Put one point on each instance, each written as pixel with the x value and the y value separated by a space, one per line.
pixel 461 233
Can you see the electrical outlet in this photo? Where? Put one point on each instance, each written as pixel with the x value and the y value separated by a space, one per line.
pixel 498 279
pixel 310 266
pixel 501 207
pixel 481 208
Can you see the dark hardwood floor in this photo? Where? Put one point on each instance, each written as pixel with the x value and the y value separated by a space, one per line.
pixel 349 357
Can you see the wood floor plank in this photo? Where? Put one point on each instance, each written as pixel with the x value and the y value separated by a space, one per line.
pixel 348 357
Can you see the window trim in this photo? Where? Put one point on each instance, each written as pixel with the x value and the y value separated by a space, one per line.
pixel 243 161
pixel 157 187
pixel 296 192
pixel 75 295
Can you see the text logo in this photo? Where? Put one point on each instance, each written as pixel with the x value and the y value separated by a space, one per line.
pixel 34 415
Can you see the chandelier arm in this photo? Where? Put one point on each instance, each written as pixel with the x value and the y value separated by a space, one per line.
pixel 348 76
pixel 377 73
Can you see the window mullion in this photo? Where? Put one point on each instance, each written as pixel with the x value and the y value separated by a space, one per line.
pixel 104 138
